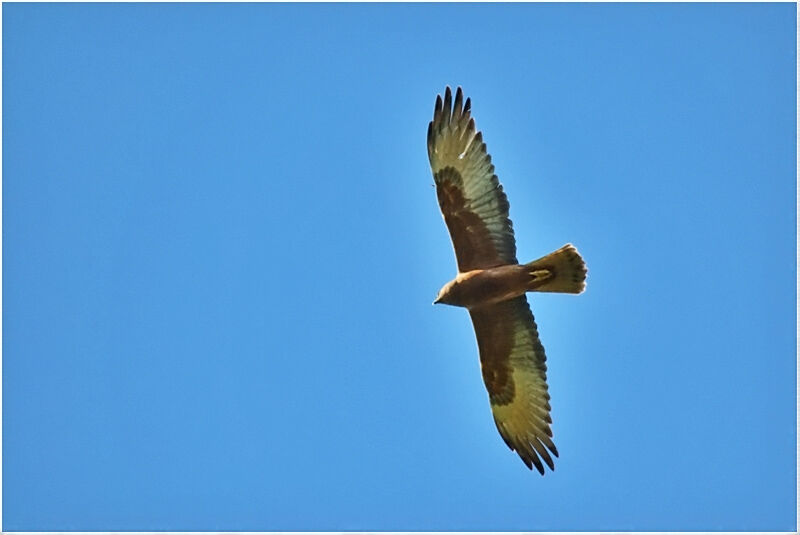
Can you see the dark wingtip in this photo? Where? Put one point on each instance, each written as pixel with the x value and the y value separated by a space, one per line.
pixel 437 110
pixel 528 456
pixel 539 465
pixel 430 139
pixel 546 457
pixel 527 463
pixel 459 103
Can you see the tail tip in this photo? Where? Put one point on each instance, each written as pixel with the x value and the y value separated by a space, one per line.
pixel 579 269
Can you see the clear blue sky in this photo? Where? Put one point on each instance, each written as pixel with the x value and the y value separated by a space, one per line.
pixel 221 243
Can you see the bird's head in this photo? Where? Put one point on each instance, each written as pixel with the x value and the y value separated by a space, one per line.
pixel 444 296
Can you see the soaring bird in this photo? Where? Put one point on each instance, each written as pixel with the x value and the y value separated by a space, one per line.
pixel 491 284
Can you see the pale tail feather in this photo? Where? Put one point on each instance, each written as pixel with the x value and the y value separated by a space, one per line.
pixel 561 271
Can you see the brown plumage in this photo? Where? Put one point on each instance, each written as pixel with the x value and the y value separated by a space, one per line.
pixel 492 285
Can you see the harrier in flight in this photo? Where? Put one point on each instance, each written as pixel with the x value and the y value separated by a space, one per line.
pixel 491 284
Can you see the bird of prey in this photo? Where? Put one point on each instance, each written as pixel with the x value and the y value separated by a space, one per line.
pixel 491 284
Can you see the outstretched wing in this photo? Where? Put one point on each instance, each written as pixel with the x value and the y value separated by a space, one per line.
pixel 473 204
pixel 514 371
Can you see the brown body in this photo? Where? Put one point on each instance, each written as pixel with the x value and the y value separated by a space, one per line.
pixel 485 286
pixel 561 271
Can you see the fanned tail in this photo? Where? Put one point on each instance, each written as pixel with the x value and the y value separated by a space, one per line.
pixel 562 271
